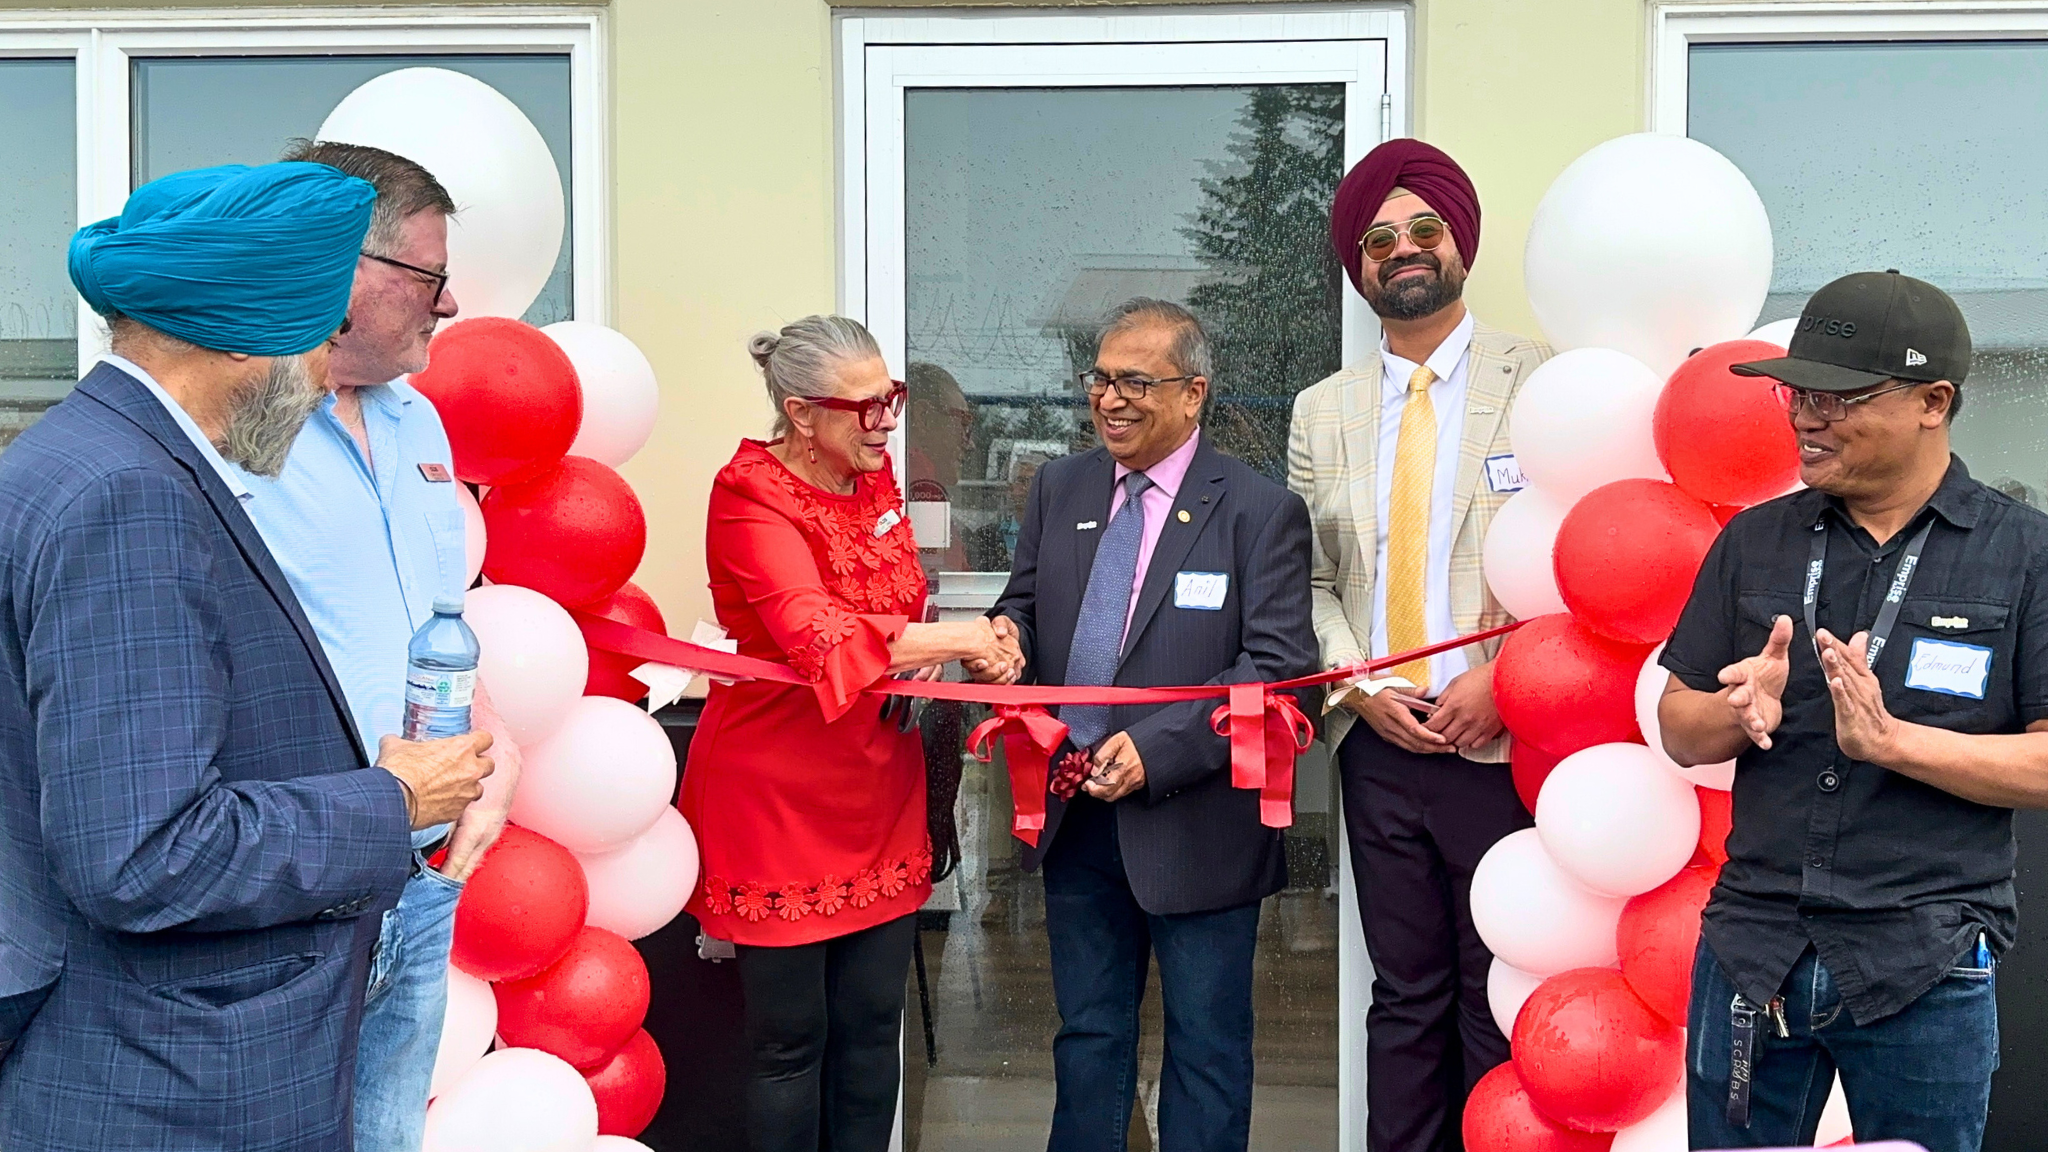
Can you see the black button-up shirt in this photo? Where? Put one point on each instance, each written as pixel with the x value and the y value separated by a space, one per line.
pixel 1888 879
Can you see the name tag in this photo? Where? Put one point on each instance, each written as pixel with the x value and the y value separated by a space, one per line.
pixel 1949 668
pixel 888 520
pixel 1204 590
pixel 1504 474
pixel 436 473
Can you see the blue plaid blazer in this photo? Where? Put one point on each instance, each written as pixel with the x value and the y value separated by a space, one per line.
pixel 193 863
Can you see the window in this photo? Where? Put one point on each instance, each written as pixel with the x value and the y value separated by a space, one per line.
pixel 100 102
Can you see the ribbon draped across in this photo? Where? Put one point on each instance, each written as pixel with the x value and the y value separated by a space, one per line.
pixel 1265 727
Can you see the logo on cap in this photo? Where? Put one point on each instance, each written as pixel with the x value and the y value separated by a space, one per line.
pixel 1915 358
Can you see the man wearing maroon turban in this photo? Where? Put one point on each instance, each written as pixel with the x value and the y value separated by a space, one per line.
pixel 1420 424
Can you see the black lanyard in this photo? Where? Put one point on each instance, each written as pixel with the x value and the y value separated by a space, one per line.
pixel 1888 615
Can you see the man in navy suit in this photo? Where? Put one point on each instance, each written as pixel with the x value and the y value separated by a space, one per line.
pixel 194 851
pixel 1156 560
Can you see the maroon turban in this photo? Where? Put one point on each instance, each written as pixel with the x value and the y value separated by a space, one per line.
pixel 1421 169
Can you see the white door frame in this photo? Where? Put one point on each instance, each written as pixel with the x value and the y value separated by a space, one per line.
pixel 1365 47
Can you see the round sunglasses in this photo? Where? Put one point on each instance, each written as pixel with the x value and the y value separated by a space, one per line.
pixel 1425 231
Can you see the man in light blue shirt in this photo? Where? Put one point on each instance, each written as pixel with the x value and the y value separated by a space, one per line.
pixel 365 522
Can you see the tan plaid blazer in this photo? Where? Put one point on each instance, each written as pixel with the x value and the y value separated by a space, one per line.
pixel 1330 462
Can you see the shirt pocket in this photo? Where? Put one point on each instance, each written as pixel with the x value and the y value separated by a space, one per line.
pixel 449 531
pixel 1755 615
pixel 1967 624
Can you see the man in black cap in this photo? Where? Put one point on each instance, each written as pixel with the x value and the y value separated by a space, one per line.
pixel 1875 649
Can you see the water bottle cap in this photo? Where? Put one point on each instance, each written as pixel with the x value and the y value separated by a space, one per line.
pixel 448 606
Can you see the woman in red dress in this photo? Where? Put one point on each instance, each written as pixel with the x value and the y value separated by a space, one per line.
pixel 809 805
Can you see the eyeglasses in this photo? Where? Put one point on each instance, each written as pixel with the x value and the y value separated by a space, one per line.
pixel 1829 407
pixel 1128 387
pixel 1379 243
pixel 870 410
pixel 438 279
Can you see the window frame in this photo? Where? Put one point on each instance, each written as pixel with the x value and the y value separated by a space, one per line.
pixel 102 46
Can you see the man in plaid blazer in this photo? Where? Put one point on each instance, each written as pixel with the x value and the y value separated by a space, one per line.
pixel 1403 460
pixel 193 850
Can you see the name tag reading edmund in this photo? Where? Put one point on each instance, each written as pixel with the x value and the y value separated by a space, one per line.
pixel 1949 668
pixel 1204 590
pixel 1504 474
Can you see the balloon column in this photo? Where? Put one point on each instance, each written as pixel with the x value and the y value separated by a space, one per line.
pixel 1647 263
pixel 595 856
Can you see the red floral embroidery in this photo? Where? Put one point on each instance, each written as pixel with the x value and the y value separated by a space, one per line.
pixel 833 624
pixel 795 900
pixel 895 877
pixel 832 894
pixel 717 896
pixel 866 886
pixel 921 866
pixel 751 901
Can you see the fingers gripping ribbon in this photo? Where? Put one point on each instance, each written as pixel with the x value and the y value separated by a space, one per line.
pixel 1266 731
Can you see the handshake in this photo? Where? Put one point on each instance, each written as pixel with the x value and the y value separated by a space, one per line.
pixel 1000 658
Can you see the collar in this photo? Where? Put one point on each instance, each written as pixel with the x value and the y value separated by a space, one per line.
pixel 1168 473
pixel 1441 363
pixel 1958 500
pixel 228 474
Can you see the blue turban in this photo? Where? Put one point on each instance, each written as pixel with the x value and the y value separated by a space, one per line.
pixel 236 259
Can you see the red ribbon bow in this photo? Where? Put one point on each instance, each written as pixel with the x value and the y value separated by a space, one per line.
pixel 1267 731
pixel 1030 735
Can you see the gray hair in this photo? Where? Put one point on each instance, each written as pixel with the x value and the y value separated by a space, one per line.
pixel 803 359
pixel 404 188
pixel 1190 349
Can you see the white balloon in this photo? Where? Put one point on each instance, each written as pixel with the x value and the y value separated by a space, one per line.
pixel 1616 820
pixel 637 889
pixel 1834 1118
pixel 1516 555
pixel 1650 684
pixel 1661 1131
pixel 473 538
pixel 620 397
pixel 467 1028
pixel 515 1100
pixel 602 777
pixel 1583 419
pixel 1651 244
pixel 1777 332
pixel 1535 917
pixel 1507 989
pixel 534 659
pixel 507 229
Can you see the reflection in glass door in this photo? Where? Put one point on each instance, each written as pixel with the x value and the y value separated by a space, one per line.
pixel 1013 195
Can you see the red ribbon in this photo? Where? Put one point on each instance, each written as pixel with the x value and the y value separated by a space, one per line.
pixel 1030 735
pixel 1266 731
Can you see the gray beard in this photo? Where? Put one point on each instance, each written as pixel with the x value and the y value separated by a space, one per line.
pixel 266 421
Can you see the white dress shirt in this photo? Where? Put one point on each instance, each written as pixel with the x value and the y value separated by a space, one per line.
pixel 1447 396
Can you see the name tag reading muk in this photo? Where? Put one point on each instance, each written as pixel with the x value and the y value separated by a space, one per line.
pixel 1949 668
pixel 1204 590
pixel 1504 474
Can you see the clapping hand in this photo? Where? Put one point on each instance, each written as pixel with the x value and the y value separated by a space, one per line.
pixel 1758 685
pixel 1863 726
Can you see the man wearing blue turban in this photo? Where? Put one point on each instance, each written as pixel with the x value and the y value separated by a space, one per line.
pixel 195 850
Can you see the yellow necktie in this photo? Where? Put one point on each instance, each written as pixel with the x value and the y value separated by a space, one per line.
pixel 1408 528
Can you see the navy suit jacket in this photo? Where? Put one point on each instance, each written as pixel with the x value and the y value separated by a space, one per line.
pixel 192 859
pixel 1190 841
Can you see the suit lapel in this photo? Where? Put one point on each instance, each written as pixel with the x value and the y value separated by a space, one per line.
pixel 1361 425
pixel 1489 379
pixel 1201 491
pixel 131 399
pixel 1090 504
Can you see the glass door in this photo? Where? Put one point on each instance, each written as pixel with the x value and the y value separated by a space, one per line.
pixel 1008 181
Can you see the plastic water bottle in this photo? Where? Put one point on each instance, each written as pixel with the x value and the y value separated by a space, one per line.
pixel 440 675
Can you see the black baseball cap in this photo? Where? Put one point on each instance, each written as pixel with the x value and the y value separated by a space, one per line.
pixel 1869 327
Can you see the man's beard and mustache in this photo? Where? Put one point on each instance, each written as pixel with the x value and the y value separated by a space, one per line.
pixel 1417 296
pixel 266 420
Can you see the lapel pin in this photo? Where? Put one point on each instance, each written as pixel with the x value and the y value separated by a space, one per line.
pixel 1184 517
pixel 1084 525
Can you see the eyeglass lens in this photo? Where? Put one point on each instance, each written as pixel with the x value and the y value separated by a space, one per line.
pixel 1426 232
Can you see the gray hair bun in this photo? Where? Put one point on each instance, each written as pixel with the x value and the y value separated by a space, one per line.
pixel 762 346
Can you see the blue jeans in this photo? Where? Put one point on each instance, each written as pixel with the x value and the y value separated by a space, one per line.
pixel 1922 1074
pixel 402 1013
pixel 1101 940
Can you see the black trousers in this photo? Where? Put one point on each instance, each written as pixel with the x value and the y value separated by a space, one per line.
pixel 823 1021
pixel 1418 825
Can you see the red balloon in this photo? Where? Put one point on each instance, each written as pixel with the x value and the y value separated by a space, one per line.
pixel 1530 767
pixel 1593 1055
pixel 581 1007
pixel 1717 818
pixel 574 534
pixel 1725 438
pixel 611 673
pixel 1500 1117
pixel 1563 687
pixel 507 395
pixel 1626 556
pixel 1723 513
pixel 521 909
pixel 1658 934
pixel 629 1087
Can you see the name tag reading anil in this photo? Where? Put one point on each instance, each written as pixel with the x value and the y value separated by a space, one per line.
pixel 1504 474
pixel 1204 590
pixel 1949 668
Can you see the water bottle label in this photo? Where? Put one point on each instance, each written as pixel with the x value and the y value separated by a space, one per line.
pixel 433 688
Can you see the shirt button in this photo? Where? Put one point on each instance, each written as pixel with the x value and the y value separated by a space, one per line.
pixel 1829 781
pixel 1816 862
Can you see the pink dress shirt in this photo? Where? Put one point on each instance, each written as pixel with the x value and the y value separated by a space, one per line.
pixel 1156 502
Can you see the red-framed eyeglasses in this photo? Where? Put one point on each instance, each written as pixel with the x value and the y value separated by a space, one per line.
pixel 870 410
